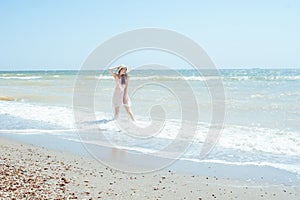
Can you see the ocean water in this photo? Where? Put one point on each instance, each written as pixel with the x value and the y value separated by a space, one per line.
pixel 261 125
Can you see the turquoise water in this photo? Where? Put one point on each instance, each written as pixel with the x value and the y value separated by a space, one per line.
pixel 254 97
pixel 261 125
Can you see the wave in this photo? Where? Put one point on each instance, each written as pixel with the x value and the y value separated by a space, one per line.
pixel 34 131
pixel 165 76
pixel 258 139
pixel 20 77
pixel 162 78
pixel 261 78
pixel 205 78
pixel 53 115
pixel 237 144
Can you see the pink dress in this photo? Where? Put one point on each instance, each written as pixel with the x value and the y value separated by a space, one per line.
pixel 118 94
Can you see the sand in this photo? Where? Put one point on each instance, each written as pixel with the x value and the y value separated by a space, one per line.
pixel 6 98
pixel 30 172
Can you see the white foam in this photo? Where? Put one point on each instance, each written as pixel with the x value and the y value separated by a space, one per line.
pixel 261 140
pixel 55 115
pixel 237 144
pixel 189 78
pixel 20 77
pixel 247 139
pixel 37 131
pixel 242 138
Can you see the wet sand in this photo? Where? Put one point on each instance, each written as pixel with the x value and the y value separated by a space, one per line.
pixel 30 172
pixel 6 98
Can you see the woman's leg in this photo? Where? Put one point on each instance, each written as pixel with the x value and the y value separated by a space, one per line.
pixel 117 111
pixel 127 108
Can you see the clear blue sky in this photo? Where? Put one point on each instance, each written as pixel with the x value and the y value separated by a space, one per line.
pixel 60 34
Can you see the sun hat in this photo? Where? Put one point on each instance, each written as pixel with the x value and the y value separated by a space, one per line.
pixel 122 66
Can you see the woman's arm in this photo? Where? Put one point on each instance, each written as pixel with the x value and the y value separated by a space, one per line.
pixel 111 71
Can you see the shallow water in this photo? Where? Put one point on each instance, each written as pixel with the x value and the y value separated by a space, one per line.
pixel 261 125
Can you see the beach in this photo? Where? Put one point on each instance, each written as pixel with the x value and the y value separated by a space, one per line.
pixel 150 100
pixel 48 147
pixel 31 172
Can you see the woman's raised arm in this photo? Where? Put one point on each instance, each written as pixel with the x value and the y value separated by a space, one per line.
pixel 111 71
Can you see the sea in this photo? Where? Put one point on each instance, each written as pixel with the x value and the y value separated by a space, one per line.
pixel 260 126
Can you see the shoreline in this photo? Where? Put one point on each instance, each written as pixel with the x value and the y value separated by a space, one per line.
pixel 61 174
pixel 112 157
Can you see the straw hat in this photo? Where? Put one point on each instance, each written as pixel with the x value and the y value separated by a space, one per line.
pixel 120 67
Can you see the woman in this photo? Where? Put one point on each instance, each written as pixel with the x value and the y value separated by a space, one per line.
pixel 120 92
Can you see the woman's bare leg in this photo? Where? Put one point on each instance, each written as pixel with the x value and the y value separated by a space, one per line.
pixel 117 111
pixel 127 108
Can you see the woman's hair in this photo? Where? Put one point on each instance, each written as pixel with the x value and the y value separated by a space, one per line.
pixel 123 78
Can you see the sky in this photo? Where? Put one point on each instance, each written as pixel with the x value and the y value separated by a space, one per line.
pixel 60 34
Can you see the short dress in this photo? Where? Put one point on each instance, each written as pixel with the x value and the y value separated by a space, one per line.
pixel 118 94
